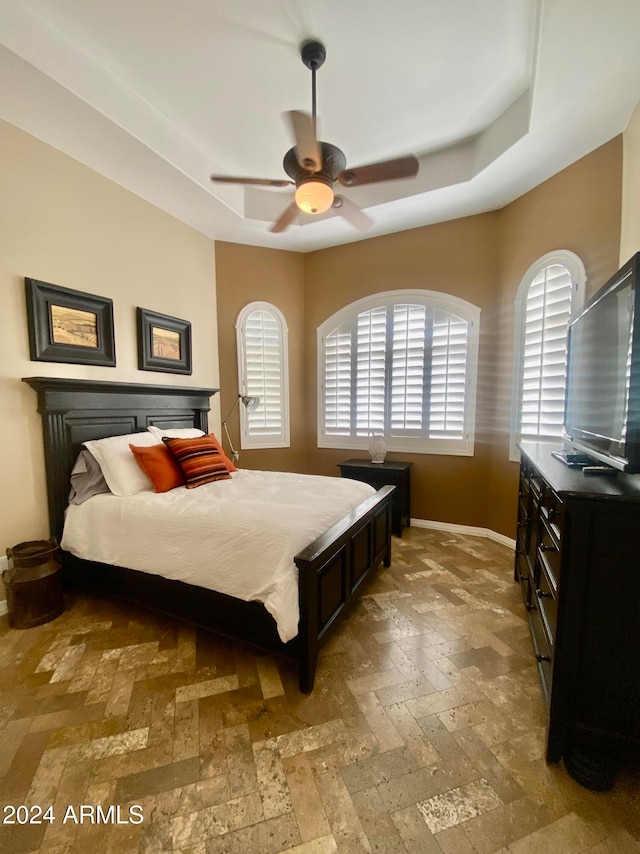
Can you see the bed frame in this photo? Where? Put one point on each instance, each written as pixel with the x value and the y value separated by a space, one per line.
pixel 331 570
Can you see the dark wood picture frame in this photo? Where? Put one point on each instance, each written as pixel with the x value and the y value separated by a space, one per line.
pixel 69 326
pixel 164 343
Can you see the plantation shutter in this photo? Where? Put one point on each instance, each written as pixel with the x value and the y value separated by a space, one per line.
pixel 337 381
pixel 409 345
pixel 401 369
pixel 263 373
pixel 448 375
pixel 371 333
pixel 544 360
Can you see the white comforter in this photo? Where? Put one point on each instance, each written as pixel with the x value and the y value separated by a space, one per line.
pixel 235 536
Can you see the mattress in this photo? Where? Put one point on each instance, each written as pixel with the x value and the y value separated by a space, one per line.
pixel 236 536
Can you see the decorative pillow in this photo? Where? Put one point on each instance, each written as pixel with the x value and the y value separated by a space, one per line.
pixel 190 433
pixel 87 479
pixel 160 466
pixel 175 432
pixel 227 461
pixel 199 460
pixel 123 475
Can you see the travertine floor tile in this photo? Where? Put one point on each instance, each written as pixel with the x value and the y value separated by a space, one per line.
pixel 424 733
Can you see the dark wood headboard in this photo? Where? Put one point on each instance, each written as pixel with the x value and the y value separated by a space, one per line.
pixel 75 411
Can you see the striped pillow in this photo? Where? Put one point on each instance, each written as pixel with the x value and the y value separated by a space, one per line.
pixel 199 460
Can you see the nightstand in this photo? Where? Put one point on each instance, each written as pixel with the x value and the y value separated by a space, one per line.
pixel 394 473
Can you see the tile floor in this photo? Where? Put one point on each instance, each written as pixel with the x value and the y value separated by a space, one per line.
pixel 424 733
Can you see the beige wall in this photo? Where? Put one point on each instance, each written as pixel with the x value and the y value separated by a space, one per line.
pixel 481 259
pixel 630 229
pixel 62 223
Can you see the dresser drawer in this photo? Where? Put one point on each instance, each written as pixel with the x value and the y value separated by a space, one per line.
pixel 542 650
pixel 524 575
pixel 549 555
pixel 547 604
pixel 552 509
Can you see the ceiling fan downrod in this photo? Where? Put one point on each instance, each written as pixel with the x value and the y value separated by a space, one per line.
pixel 313 55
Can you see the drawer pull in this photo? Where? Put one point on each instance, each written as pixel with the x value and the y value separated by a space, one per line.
pixel 543 595
pixel 546 548
pixel 540 657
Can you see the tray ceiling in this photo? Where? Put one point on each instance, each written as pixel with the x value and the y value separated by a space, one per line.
pixel 492 97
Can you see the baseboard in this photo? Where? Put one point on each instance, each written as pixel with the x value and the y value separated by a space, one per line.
pixel 469 530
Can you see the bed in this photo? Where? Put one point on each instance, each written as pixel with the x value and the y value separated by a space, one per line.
pixel 332 569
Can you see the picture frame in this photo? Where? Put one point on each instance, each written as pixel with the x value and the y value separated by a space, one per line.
pixel 164 343
pixel 69 326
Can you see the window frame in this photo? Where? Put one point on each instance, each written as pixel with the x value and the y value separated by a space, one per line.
pixel 249 441
pixel 575 266
pixel 433 300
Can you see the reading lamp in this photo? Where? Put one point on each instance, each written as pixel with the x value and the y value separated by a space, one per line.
pixel 251 404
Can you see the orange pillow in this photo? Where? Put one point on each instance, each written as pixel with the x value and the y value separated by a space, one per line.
pixel 160 466
pixel 199 460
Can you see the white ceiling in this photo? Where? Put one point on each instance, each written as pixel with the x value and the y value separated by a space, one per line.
pixel 493 96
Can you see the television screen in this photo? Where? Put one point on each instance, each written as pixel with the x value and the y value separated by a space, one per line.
pixel 599 371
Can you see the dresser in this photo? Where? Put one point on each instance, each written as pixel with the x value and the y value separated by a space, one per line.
pixel 392 473
pixel 578 566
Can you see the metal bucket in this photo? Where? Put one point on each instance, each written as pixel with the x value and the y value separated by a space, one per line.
pixel 33 583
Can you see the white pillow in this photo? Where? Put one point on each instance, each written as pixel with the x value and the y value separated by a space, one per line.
pixel 119 467
pixel 176 432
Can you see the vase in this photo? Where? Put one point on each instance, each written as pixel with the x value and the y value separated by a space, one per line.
pixel 377 448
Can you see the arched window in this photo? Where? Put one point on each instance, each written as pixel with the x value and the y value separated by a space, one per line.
pixel 263 371
pixel 551 291
pixel 403 365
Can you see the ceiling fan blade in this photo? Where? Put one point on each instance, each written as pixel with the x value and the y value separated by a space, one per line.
pixel 352 213
pixel 308 149
pixel 387 170
pixel 260 182
pixel 286 218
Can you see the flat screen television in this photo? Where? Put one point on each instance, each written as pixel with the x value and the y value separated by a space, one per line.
pixel 602 396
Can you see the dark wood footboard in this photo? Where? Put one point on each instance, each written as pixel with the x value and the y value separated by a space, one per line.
pixel 332 570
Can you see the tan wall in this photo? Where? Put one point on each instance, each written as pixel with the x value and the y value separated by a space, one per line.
pixel 481 259
pixel 248 273
pixel 62 223
pixel 578 209
pixel 458 258
pixel 630 228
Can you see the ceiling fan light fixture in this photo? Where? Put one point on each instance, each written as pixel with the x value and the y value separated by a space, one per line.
pixel 314 166
pixel 314 196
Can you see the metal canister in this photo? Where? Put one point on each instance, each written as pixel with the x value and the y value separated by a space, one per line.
pixel 33 583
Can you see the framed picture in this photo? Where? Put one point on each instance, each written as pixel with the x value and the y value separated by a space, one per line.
pixel 69 326
pixel 164 343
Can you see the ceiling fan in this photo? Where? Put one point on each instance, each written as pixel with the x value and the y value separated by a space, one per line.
pixel 315 166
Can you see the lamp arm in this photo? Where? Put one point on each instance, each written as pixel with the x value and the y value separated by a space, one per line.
pixel 234 454
pixel 230 412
